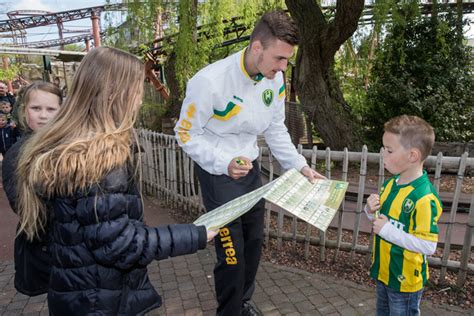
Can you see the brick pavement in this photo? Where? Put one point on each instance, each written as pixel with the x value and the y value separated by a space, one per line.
pixel 186 284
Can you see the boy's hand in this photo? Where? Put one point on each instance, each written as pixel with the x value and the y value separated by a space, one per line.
pixel 239 167
pixel 311 174
pixel 379 222
pixel 211 234
pixel 373 203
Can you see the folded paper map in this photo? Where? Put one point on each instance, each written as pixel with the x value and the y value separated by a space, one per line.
pixel 315 203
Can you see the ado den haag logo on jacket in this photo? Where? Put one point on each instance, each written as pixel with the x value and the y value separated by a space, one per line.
pixel 267 97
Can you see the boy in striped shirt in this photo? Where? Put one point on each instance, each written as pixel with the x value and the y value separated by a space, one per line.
pixel 405 217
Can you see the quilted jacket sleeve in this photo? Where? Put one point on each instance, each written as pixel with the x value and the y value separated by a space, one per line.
pixel 9 177
pixel 116 235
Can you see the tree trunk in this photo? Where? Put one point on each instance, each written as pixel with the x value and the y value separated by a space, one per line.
pixel 316 82
pixel 434 10
pixel 374 40
pixel 459 19
pixel 174 102
pixel 188 20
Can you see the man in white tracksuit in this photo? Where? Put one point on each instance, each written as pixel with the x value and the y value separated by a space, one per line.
pixel 228 104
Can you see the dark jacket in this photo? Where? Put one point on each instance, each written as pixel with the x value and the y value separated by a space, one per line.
pixel 9 164
pixel 32 258
pixel 100 249
pixel 8 98
pixel 8 136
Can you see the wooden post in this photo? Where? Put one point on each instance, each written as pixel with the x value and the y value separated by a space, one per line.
pixel 466 249
pixel 174 171
pixel 345 170
pixel 268 206
pixel 360 199
pixel 156 149
pixel 439 166
pixel 309 226
pixel 380 182
pixel 452 218
pixel 294 225
pixel 280 212
pixel 322 234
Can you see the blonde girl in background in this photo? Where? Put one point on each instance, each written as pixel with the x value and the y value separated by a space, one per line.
pixel 38 103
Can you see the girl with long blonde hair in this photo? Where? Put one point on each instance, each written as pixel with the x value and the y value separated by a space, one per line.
pixel 76 178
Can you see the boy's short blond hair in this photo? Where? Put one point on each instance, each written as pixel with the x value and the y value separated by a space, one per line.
pixel 414 132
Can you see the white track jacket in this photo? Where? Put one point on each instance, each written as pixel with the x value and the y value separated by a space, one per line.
pixel 223 112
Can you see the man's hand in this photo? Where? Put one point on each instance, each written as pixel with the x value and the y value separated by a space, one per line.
pixel 373 203
pixel 379 222
pixel 311 174
pixel 239 167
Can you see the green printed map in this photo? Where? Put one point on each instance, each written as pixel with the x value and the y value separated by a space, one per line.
pixel 315 203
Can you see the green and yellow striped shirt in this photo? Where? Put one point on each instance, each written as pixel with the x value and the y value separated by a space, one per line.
pixel 415 208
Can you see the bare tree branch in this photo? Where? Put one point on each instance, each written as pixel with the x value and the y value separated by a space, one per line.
pixel 344 24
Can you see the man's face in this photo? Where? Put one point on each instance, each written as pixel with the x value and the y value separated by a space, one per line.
pixel 6 108
pixel 3 89
pixel 273 58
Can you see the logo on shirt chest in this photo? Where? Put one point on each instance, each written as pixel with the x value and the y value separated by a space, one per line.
pixel 408 205
pixel 267 97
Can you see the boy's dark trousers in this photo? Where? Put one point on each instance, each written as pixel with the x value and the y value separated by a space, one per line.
pixel 239 243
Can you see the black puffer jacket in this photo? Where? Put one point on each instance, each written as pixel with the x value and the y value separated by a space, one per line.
pixel 32 258
pixel 9 164
pixel 100 249
pixel 8 136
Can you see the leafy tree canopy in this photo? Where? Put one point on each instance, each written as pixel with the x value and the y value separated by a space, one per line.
pixel 10 73
pixel 423 69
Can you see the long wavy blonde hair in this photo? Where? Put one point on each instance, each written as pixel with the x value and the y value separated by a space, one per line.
pixel 90 136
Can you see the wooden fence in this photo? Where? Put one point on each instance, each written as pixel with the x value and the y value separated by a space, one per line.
pixel 168 173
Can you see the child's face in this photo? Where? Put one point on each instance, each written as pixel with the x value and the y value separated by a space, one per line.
pixel 6 108
pixel 3 88
pixel 3 121
pixel 395 156
pixel 42 106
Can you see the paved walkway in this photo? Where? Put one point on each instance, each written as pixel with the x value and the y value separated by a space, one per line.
pixel 187 284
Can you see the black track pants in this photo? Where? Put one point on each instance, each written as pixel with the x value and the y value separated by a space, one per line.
pixel 238 244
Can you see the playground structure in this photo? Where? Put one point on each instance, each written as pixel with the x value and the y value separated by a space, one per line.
pixel 21 20
pixel 19 34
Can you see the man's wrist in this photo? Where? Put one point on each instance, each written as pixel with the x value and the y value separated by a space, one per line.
pixel 302 168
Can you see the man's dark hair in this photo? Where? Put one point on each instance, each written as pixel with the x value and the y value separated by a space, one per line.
pixel 275 25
